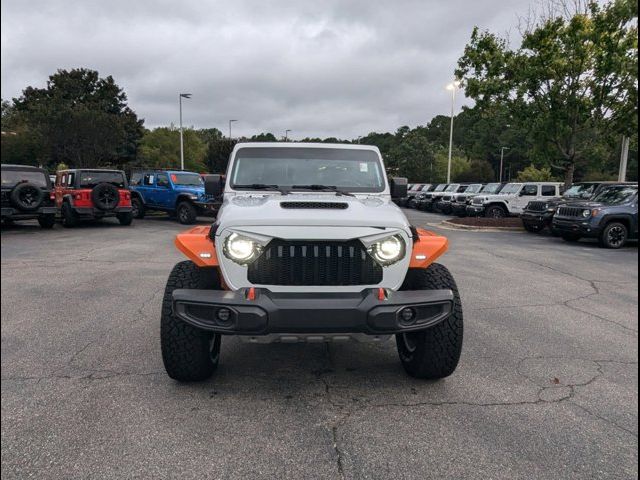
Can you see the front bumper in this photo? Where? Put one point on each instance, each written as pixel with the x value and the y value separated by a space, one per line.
pixel 207 208
pixel 583 227
pixel 19 214
pixel 311 313
pixel 537 218
pixel 459 208
pixel 475 210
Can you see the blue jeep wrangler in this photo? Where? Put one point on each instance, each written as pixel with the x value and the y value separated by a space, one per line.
pixel 177 192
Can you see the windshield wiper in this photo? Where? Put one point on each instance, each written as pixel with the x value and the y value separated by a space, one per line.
pixel 323 188
pixel 262 186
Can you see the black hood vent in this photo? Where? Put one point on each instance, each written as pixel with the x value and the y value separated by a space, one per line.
pixel 315 205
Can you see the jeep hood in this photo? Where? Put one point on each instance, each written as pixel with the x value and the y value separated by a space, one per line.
pixel 264 210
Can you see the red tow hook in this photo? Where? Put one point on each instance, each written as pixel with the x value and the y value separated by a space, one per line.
pixel 251 294
pixel 382 295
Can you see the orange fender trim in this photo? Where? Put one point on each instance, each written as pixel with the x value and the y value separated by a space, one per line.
pixel 427 249
pixel 197 246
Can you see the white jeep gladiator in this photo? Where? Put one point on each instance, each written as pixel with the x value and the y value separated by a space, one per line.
pixel 512 199
pixel 308 246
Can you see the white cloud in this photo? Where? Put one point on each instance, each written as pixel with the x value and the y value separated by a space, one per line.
pixel 331 68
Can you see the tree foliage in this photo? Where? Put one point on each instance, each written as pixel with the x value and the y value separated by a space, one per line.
pixel 160 148
pixel 78 118
pixel 571 85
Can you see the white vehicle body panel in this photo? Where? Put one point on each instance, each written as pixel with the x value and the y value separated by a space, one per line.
pixel 259 216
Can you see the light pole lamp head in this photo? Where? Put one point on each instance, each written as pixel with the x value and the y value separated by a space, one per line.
pixel 185 95
pixel 453 85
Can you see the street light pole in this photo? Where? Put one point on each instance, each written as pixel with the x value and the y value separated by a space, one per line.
pixel 453 87
pixel 502 160
pixel 624 157
pixel 230 122
pixel 286 135
pixel 182 95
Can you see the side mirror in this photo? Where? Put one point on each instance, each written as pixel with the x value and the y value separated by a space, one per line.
pixel 213 185
pixel 398 187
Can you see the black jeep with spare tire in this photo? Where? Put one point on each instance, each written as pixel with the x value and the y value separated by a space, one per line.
pixel 27 195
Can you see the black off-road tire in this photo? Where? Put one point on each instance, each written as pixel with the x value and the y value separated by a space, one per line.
pixel 125 218
pixel 433 353
pixel 137 208
pixel 532 227
pixel 186 213
pixel 570 237
pixel 496 211
pixel 105 196
pixel 189 354
pixel 69 217
pixel 27 196
pixel 614 235
pixel 47 221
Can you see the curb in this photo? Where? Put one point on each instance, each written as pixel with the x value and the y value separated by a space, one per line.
pixel 472 228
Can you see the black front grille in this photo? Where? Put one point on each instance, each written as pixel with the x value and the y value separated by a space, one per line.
pixel 319 263
pixel 446 198
pixel 5 197
pixel 570 211
pixel 323 205
pixel 537 206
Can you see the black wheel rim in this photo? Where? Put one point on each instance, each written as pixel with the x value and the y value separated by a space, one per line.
pixel 616 236
pixel 134 208
pixel 497 213
pixel 183 214
pixel 107 198
pixel 29 197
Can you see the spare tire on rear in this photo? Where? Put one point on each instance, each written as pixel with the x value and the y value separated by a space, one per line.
pixel 26 196
pixel 105 196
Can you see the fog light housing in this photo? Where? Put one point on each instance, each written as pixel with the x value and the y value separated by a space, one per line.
pixel 408 315
pixel 223 315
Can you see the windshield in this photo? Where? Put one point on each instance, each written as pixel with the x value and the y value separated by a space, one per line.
pixel 440 187
pixel 584 191
pixel 491 188
pixel 13 177
pixel 190 179
pixel 89 179
pixel 452 188
pixel 616 195
pixel 511 188
pixel 346 169
pixel 474 188
pixel 425 188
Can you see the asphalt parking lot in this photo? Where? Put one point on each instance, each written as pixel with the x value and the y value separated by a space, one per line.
pixel 547 386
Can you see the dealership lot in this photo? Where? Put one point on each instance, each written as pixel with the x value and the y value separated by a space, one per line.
pixel 546 388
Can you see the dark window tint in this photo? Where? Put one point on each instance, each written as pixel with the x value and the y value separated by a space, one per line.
pixel 548 191
pixel 163 180
pixel 190 179
pixel 89 178
pixel 529 191
pixel 616 195
pixel 13 177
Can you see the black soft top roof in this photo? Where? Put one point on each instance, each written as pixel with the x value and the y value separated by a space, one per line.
pixel 23 167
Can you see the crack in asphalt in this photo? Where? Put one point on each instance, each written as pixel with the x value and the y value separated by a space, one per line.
pixel 566 303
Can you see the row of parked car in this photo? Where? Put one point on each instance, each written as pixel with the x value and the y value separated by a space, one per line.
pixel 607 211
pixel 74 195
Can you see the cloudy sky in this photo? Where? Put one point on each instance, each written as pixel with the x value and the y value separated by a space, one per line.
pixel 321 68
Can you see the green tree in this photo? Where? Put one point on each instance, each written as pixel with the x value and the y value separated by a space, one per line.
pixel 571 83
pixel 80 119
pixel 533 174
pixel 160 148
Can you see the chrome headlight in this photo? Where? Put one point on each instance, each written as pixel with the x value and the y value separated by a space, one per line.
pixel 388 250
pixel 241 249
pixel 586 213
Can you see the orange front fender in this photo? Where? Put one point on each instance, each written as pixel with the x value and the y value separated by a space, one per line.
pixel 198 247
pixel 427 249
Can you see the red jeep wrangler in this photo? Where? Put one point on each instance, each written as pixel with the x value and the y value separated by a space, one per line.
pixel 85 194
